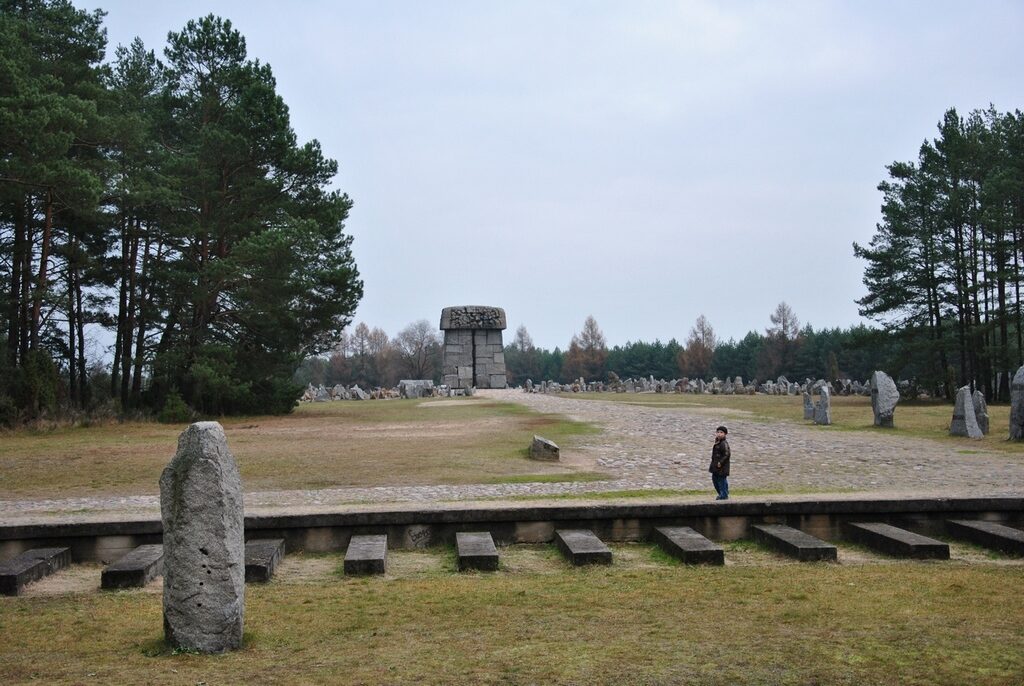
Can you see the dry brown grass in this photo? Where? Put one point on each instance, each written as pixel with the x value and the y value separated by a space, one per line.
pixel 396 442
pixel 644 620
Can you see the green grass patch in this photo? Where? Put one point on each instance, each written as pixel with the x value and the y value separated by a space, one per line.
pixel 646 624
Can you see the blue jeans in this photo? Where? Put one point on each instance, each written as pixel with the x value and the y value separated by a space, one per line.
pixel 721 485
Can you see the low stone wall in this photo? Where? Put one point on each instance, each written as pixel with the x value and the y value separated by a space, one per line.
pixel 532 524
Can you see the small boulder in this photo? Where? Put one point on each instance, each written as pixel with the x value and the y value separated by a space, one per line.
pixel 543 449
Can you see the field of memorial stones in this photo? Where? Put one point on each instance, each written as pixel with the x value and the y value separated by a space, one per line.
pixel 861 614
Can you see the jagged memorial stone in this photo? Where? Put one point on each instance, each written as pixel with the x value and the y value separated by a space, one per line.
pixel 204 548
pixel 980 411
pixel 884 396
pixel 1017 406
pixel 823 409
pixel 964 423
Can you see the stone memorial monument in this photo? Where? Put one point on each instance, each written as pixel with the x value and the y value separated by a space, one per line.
pixel 204 547
pixel 964 423
pixel 473 353
pixel 1017 406
pixel 823 408
pixel 884 396
pixel 980 411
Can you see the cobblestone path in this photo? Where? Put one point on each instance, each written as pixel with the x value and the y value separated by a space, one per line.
pixel 644 448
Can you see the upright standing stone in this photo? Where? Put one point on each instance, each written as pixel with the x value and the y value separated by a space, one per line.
pixel 204 548
pixel 1017 406
pixel 980 411
pixel 964 422
pixel 808 406
pixel 473 353
pixel 823 410
pixel 884 396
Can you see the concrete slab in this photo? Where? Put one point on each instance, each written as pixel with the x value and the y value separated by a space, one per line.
pixel 261 558
pixel 685 544
pixel 988 534
pixel 366 555
pixel 582 547
pixel 476 551
pixel 134 570
pixel 895 541
pixel 29 566
pixel 794 542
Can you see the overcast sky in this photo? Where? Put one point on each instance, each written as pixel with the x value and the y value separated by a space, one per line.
pixel 641 162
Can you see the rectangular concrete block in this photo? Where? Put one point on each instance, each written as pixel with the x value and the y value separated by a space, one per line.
pixel 466 372
pixel 494 337
pixel 366 555
pixel 794 542
pixel 29 566
pixel 685 544
pixel 134 570
pixel 261 558
pixel 476 551
pixel 894 541
pixel 988 534
pixel 582 547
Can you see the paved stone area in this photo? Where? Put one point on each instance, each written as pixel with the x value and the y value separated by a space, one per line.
pixel 645 447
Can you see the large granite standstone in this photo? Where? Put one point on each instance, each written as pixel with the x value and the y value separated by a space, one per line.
pixel 204 547
pixel 1017 406
pixel 884 396
pixel 965 422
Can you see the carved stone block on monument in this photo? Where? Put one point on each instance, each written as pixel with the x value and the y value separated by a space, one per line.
pixel 472 317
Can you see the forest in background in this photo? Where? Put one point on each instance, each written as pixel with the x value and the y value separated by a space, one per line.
pixel 168 202
pixel 165 204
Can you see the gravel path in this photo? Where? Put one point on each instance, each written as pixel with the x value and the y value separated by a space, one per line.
pixel 650 448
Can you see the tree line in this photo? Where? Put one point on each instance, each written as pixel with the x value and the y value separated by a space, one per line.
pixel 784 349
pixel 945 267
pixel 167 202
pixel 371 359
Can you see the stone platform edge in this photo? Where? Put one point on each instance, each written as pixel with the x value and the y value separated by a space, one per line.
pixel 575 513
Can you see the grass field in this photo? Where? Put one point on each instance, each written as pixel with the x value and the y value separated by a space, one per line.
pixel 644 620
pixel 849 413
pixel 320 445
